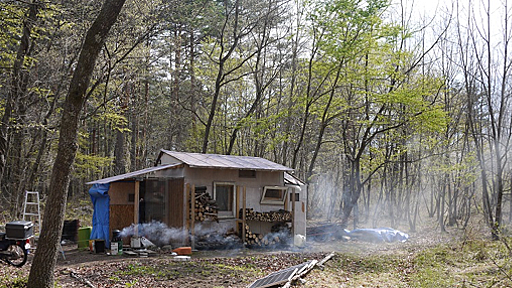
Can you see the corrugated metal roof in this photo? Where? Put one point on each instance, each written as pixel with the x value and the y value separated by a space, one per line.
pixel 292 180
pixel 132 174
pixel 226 161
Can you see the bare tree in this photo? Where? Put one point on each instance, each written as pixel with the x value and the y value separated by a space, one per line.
pixel 41 272
pixel 241 18
pixel 17 88
pixel 486 64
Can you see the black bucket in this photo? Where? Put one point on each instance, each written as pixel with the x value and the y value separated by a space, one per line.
pixel 116 235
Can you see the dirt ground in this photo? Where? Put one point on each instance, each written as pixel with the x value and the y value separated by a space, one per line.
pixel 220 268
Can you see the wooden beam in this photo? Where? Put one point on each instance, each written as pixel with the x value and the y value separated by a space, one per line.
pixel 321 263
pixel 192 198
pixel 293 212
pixel 243 214
pixel 303 273
pixel 187 206
pixel 286 198
pixel 237 205
pixel 136 208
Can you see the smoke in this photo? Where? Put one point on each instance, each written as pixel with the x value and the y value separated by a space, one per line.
pixel 213 228
pixel 212 236
pixel 327 232
pixel 325 196
pixel 281 238
pixel 157 232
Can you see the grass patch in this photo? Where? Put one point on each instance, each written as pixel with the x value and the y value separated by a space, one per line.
pixel 432 268
pixel 355 270
pixel 475 263
pixel 168 271
pixel 137 269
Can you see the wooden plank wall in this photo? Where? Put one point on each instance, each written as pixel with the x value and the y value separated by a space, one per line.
pixel 119 192
pixel 176 203
pixel 121 216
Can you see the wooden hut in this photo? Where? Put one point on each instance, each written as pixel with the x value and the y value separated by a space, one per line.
pixel 247 194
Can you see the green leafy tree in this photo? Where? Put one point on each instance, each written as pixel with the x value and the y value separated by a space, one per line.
pixel 369 88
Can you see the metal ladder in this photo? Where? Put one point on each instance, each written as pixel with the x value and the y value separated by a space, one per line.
pixel 30 212
pixel 35 202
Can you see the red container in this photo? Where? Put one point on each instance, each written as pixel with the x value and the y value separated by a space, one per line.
pixel 183 251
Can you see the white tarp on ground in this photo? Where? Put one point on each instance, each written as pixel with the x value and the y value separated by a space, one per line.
pixel 377 235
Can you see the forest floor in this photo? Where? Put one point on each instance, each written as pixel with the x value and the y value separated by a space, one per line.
pixel 428 259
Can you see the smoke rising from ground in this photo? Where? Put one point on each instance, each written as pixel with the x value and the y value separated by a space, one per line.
pixel 205 236
pixel 160 234
pixel 155 231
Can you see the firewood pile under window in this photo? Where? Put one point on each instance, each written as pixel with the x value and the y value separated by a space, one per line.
pixel 205 207
pixel 271 239
pixel 272 216
pixel 214 240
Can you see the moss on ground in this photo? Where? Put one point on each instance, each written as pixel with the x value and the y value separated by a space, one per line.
pixel 457 263
pixel 476 263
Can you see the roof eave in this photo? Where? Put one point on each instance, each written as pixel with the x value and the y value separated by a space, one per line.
pixel 132 175
pixel 243 168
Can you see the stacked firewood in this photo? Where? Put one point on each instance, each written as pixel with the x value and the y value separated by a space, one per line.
pixel 272 216
pixel 260 240
pixel 215 240
pixel 205 207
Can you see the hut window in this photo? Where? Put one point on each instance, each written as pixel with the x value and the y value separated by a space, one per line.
pixel 156 201
pixel 131 197
pixel 224 194
pixel 247 173
pixel 273 195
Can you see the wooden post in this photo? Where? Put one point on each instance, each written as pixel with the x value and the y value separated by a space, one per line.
pixel 192 195
pixel 243 215
pixel 187 208
pixel 136 208
pixel 293 212
pixel 237 211
pixel 285 198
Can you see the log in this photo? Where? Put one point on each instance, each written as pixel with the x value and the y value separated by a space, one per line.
pixel 205 207
pixel 260 240
pixel 321 263
pixel 304 272
pixel 83 280
pixel 272 216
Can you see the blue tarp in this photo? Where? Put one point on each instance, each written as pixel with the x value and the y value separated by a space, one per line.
pixel 100 218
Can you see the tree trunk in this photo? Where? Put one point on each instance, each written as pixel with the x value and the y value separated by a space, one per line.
pixel 353 191
pixel 43 135
pixel 41 272
pixel 119 153
pixel 441 208
pixel 134 138
pixel 120 148
pixel 18 84
pixel 221 74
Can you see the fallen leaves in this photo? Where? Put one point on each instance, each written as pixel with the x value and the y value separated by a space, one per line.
pixel 162 271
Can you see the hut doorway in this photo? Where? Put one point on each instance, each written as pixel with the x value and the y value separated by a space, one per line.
pixel 162 200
